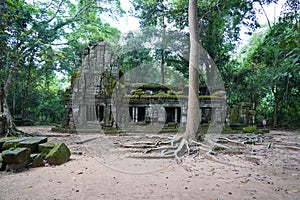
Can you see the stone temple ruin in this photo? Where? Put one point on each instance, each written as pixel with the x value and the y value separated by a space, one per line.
pixel 100 95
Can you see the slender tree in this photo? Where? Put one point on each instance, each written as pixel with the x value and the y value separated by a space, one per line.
pixel 193 117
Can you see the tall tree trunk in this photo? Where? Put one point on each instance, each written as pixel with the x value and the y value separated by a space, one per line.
pixel 276 103
pixel 162 67
pixel 275 114
pixel 2 9
pixel 162 52
pixel 7 126
pixel 193 115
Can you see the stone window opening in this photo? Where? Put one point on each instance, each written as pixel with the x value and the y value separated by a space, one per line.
pixel 137 113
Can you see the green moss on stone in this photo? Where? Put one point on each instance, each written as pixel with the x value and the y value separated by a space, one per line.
pixel 32 143
pixel 3 140
pixel 14 143
pixel 45 148
pixel 37 160
pixel 16 155
pixel 59 154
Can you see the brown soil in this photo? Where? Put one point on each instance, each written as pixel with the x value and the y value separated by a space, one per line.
pixel 98 169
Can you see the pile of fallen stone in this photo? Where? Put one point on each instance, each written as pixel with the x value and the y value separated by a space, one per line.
pixel 19 153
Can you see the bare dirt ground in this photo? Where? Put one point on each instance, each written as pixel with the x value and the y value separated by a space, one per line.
pixel 99 169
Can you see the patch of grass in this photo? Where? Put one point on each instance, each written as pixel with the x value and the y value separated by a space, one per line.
pixel 218 148
pixel 249 129
pixel 233 151
pixel 114 131
pixel 297 132
pixel 229 130
pixel 252 159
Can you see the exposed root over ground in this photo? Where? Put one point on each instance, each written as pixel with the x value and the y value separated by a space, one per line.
pixel 8 128
pixel 209 147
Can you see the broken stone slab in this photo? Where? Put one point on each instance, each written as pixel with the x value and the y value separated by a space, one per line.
pixel 5 139
pixel 14 143
pixel 16 155
pixel 45 147
pixel 59 154
pixel 37 160
pixel 16 166
pixel 88 138
pixel 32 143
pixel 16 158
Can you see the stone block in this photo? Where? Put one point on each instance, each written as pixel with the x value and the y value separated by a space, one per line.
pixel 59 154
pixel 3 140
pixel 16 155
pixel 16 166
pixel 32 143
pixel 2 164
pixel 14 143
pixel 45 147
pixel 37 160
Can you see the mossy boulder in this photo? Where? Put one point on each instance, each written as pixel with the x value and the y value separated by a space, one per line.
pixel 250 129
pixel 59 154
pixel 46 147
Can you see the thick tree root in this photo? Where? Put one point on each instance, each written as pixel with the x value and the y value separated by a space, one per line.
pixel 210 147
pixel 10 128
pixel 175 148
pixel 211 157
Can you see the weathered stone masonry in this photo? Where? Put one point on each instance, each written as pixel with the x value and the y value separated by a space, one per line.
pixel 99 95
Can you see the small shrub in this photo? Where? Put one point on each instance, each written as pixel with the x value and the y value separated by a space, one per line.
pixel 249 129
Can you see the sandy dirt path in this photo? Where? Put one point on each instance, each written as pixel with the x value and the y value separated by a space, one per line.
pixel 107 175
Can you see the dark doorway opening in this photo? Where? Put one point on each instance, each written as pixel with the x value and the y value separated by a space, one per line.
pixel 173 114
pixel 100 112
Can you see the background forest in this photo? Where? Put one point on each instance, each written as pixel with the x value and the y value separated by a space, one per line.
pixel 42 43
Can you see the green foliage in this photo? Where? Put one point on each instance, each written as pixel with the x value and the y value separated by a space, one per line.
pixel 41 44
pixel 249 129
pixel 269 73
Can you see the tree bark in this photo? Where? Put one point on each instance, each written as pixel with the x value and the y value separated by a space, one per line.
pixel 193 118
pixel 276 103
pixel 162 67
pixel 8 128
pixel 162 52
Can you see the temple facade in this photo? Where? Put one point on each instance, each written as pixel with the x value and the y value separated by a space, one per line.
pixel 101 95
